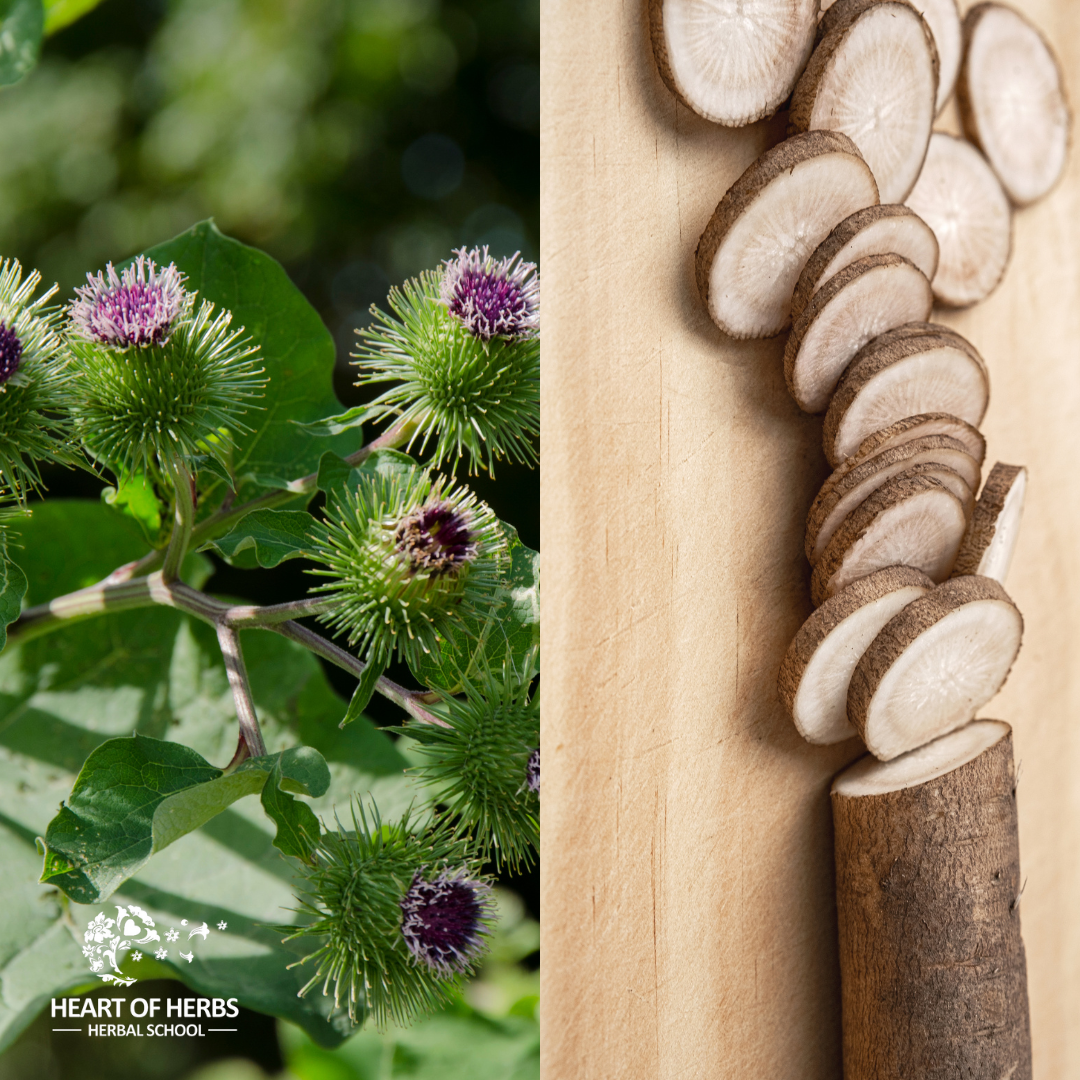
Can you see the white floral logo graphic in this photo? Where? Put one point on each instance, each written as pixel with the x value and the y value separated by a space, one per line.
pixel 106 941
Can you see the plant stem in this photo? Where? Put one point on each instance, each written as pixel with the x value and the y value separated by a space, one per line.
pixel 224 519
pixel 244 616
pixel 153 589
pixel 183 520
pixel 409 700
pixel 229 640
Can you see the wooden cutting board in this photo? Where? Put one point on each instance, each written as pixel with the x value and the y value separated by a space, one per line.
pixel 689 924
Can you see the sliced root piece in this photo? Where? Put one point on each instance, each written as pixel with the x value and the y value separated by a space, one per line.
pixel 877 230
pixel 995 525
pixel 1012 101
pixel 959 197
pixel 943 18
pixel 874 77
pixel 940 456
pixel 927 880
pixel 909 521
pixel 912 427
pixel 865 299
pixel 934 665
pixel 814 676
pixel 732 63
pixel 904 376
pixel 768 223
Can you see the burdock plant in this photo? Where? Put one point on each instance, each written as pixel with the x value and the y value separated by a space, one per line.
pixel 463 350
pixel 148 379
pixel 161 378
pixel 35 382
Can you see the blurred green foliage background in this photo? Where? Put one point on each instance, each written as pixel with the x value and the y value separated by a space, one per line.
pixel 358 142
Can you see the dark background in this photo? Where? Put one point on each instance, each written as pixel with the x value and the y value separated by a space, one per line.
pixel 357 141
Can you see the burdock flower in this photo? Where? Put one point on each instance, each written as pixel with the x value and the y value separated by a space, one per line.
pixel 161 378
pixel 444 921
pixel 10 352
pixel 35 382
pixel 138 307
pixel 398 913
pixel 463 345
pixel 407 557
pixel 480 760
pixel 492 297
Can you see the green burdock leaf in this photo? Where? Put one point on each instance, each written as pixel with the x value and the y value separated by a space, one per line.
pixel 346 421
pixel 337 476
pixel 363 692
pixel 297 826
pixel 296 350
pixel 12 590
pixel 61 13
pixel 134 497
pixel 22 24
pixel 135 796
pixel 267 538
pixel 156 673
pixel 511 629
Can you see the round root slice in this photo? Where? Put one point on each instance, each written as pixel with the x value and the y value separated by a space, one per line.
pixel 959 197
pixel 940 456
pixel 943 18
pixel 906 376
pixel 1012 101
pixel 768 223
pixel 871 776
pixel 911 427
pixel 865 299
pixel 909 521
pixel 874 77
pixel 932 966
pixel 877 230
pixel 814 676
pixel 732 63
pixel 991 538
pixel 934 665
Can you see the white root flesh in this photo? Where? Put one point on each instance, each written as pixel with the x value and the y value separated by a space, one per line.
pixel 1012 101
pixel 732 63
pixel 909 521
pixel 924 373
pixel 940 456
pixel 960 198
pixel 991 538
pixel 934 665
pixel 906 429
pixel 943 18
pixel 814 676
pixel 877 230
pixel 874 77
pixel 769 222
pixel 872 295
pixel 869 776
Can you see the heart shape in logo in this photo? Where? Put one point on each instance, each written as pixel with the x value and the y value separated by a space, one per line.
pixel 132 929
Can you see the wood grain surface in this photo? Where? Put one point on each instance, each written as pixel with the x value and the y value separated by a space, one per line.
pixel 689 919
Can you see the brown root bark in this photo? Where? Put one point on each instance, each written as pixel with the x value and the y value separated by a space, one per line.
pixel 933 972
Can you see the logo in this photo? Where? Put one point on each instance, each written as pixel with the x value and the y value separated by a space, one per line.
pixel 106 941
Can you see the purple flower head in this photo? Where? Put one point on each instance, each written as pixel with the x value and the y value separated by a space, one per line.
pixel 436 539
pixel 137 307
pixel 443 921
pixel 532 771
pixel 10 353
pixel 492 297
